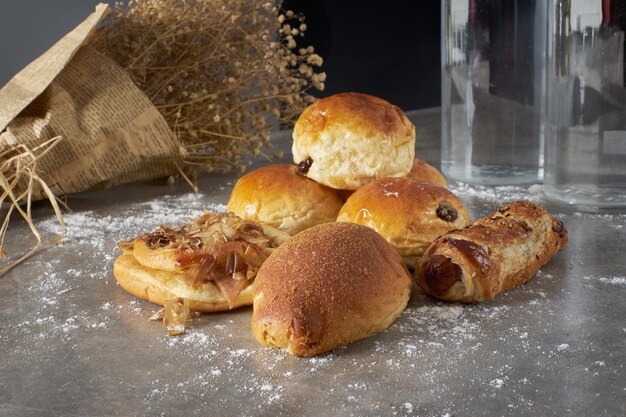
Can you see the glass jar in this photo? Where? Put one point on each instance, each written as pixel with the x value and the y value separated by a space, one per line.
pixel 493 85
pixel 585 156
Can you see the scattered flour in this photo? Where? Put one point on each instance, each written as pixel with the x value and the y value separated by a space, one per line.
pixel 496 383
pixel 90 228
pixel 425 344
pixel 621 281
pixel 614 280
pixel 497 196
pixel 87 234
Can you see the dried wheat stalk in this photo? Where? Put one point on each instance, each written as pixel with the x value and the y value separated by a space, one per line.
pixel 18 171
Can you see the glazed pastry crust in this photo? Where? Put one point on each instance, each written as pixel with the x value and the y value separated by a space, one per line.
pixel 158 286
pixel 497 253
pixel 406 212
pixel 423 171
pixel 211 262
pixel 278 196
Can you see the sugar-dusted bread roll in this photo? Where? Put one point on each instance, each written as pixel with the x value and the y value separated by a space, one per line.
pixel 279 196
pixel 423 171
pixel 328 286
pixel 408 213
pixel 210 262
pixel 497 253
pixel 349 139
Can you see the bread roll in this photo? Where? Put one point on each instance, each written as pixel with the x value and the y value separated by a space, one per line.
pixel 494 254
pixel 408 213
pixel 278 196
pixel 328 286
pixel 210 262
pixel 349 139
pixel 423 171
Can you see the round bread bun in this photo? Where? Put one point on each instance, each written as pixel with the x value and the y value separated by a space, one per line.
pixel 423 171
pixel 158 286
pixel 280 197
pixel 328 286
pixel 349 139
pixel 410 214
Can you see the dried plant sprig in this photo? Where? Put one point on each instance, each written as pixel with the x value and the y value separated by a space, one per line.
pixel 18 171
pixel 222 73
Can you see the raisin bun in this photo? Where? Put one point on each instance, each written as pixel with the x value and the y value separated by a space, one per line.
pixel 328 286
pixel 349 139
pixel 278 196
pixel 211 262
pixel 410 214
pixel 422 170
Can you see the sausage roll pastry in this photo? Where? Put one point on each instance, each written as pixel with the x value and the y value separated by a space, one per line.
pixel 492 255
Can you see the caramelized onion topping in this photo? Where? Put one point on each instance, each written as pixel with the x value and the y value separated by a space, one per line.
pixel 175 315
pixel 219 248
pixel 214 242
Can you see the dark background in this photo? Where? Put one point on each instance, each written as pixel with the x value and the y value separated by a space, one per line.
pixel 388 49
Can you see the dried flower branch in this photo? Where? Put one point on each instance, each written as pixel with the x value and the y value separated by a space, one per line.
pixel 222 73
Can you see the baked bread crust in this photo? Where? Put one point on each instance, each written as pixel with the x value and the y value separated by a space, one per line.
pixel 352 139
pixel 410 214
pixel 280 197
pixel 211 262
pixel 158 286
pixel 423 171
pixel 328 286
pixel 497 253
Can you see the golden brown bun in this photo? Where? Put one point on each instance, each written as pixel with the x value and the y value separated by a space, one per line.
pixel 421 171
pixel 425 172
pixel 280 197
pixel 353 139
pixel 408 213
pixel 328 286
pixel 495 254
pixel 158 286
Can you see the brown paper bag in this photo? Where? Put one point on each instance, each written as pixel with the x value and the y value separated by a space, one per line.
pixel 110 133
pixel 73 120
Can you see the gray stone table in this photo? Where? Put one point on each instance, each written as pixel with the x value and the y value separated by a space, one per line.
pixel 72 342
